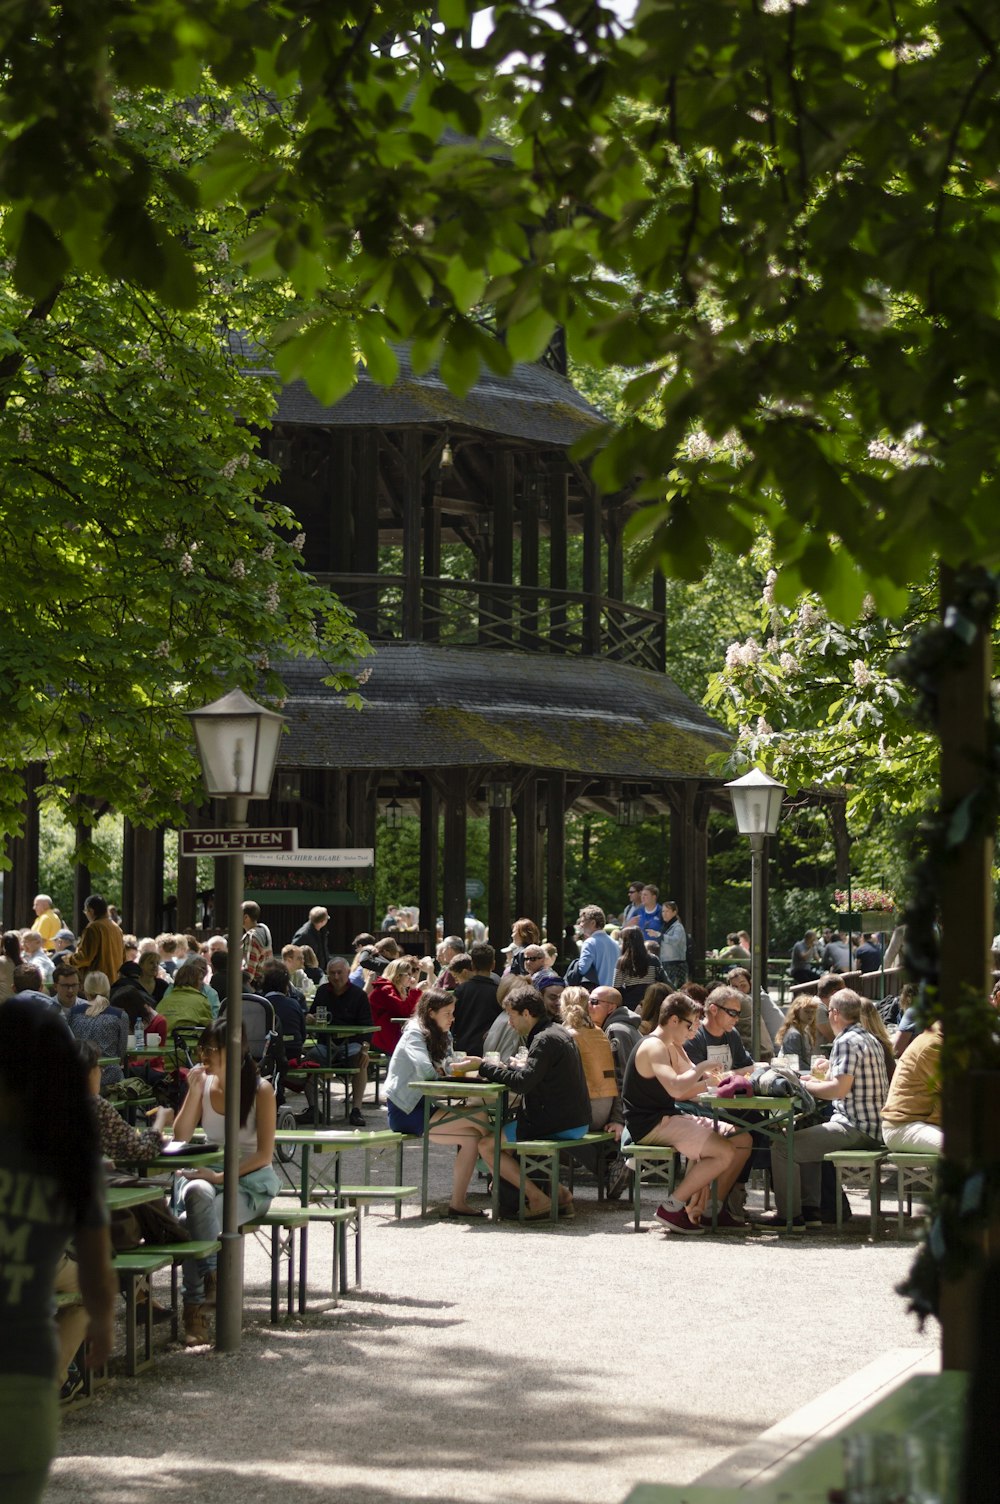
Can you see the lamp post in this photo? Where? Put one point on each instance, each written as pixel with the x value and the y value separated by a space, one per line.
pixel 238 746
pixel 757 806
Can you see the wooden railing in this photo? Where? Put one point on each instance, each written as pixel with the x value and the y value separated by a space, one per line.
pixel 477 613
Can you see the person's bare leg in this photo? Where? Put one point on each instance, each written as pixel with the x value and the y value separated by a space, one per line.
pixel 716 1160
pixel 467 1136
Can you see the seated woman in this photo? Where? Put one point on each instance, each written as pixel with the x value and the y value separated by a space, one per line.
pixel 184 1005
pixel 394 994
pixel 198 1192
pixel 649 1008
pixel 797 1035
pixel 119 1141
pixel 658 1077
pixel 275 986
pixel 425 1053
pixel 598 1062
pixel 97 1020
pixel 636 969
pixel 871 1022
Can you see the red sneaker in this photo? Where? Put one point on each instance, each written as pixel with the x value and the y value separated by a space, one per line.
pixel 676 1221
pixel 726 1219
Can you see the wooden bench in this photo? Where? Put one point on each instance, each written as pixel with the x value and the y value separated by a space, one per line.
pixel 135 1268
pixel 653 1165
pixel 545 1154
pixel 865 1168
pixel 324 1076
pixel 915 1170
pixel 338 1219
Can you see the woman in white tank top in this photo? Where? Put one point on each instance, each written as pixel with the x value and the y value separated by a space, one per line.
pixel 198 1192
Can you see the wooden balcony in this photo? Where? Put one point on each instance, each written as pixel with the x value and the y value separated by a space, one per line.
pixel 530 619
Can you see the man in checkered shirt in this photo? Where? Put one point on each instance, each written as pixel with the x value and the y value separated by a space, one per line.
pixel 856 1084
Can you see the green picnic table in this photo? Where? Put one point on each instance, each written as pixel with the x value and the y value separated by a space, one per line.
pixel 460 1099
pixel 777 1119
pixel 120 1197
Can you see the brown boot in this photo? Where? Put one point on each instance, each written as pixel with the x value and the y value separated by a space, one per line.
pixel 211 1285
pixel 196 1331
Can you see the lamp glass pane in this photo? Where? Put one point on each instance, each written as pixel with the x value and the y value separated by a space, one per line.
pixel 268 740
pixel 226 745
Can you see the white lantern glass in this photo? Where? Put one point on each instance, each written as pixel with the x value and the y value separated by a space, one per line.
pixel 238 745
pixel 756 803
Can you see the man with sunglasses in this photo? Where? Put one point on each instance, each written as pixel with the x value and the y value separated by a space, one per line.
pixel 718 1039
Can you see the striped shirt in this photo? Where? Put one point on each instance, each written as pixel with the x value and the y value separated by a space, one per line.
pixel 859 1054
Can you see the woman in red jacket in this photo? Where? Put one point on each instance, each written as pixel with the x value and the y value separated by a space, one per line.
pixel 394 995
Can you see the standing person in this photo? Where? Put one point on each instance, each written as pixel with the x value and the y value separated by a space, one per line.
pixel 637 969
pixel 634 903
pixel 257 950
pixel 101 947
pixel 313 933
pixel 198 1192
pixel 806 958
pixel 650 915
pixel 426 1053
pixel 47 922
pixel 657 1078
pixel 48 1146
pixel 673 946
pixel 599 954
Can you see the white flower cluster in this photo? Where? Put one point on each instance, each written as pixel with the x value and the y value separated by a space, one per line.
pixel 364 675
pixel 779 7
pixel 234 463
pixel 763 729
pixel 187 563
pixel 699 446
pixel 808 617
pixel 170 540
pixel 96 363
pixel 263 661
pixel 913 52
pixel 898 452
pixel 299 542
pixel 769 584
pixel 863 675
pixel 163 649
pixel 789 663
pixel 239 570
pixel 743 654
pixel 24 433
pixel 272 597
pixel 267 552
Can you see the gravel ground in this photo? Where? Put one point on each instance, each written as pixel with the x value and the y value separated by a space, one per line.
pixel 481 1364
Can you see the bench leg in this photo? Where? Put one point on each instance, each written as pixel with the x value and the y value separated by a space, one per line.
pixel 357 1249
pixel 839 1191
pixel 874 1202
pixel 303 1267
pixel 636 1192
pixel 521 1199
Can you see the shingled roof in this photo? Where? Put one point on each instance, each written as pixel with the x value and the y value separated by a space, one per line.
pixel 433 707
pixel 533 402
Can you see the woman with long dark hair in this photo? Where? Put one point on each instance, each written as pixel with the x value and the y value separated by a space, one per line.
pixel 425 1053
pixel 198 1192
pixel 636 969
pixel 10 956
pixel 48 1150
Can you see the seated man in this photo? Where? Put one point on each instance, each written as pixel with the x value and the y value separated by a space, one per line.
pixel 553 1090
pixel 620 1024
pixel 275 986
pixel 657 1078
pixel 476 1006
pixel 718 1039
pixel 345 1004
pixel 911 1117
pixel 857 1083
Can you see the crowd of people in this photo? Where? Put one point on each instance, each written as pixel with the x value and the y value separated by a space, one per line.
pixel 618 1040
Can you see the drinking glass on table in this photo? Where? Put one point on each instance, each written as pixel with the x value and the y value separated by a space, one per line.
pixel 819 1065
pixel 322 1015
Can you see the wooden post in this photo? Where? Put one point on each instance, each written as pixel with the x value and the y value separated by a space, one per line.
pixel 592 535
pixel 499 627
pixel 187 884
pixel 682 849
pixel 966 909
pixel 81 880
pixel 21 879
pixel 362 500
pixel 558 572
pixel 499 917
pixel 660 604
pixel 142 879
pixel 527 897
pixel 528 636
pixel 555 863
pixel 431 618
pixel 428 877
pixel 696 922
pixel 412 518
pixel 454 857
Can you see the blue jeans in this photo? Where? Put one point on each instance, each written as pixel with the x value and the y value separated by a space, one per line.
pixel 198 1204
pixel 510 1132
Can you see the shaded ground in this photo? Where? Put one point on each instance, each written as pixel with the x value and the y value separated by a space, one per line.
pixel 483 1364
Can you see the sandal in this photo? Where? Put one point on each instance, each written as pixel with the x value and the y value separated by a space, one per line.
pixel 458 1213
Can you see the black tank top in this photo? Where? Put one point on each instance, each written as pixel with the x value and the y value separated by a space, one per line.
pixel 645 1100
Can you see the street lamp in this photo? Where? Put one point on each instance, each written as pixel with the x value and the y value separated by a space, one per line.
pixel 394 814
pixel 757 806
pixel 237 743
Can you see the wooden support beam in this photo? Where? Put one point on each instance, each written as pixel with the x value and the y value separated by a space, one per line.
pixel 555 863
pixel 499 917
pixel 530 485
pixel 362 499
pixel 412 499
pixel 616 560
pixel 187 883
pixel 503 542
pixel 142 879
pixel 592 536
pixel 430 808
pixel 696 921
pixel 21 883
pixel 660 604
pixel 430 613
pixel 454 855
pixel 81 878
pixel 527 885
pixel 558 487
pixel 682 851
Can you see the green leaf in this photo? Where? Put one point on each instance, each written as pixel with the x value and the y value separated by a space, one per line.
pixel 41 259
pixel 323 355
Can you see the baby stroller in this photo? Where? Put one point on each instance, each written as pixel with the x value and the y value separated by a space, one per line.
pixel 267 1046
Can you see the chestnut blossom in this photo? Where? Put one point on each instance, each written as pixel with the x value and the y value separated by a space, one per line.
pixel 789 663
pixel 863 675
pixel 299 542
pixel 272 597
pixel 769 583
pixel 239 569
pixel 187 563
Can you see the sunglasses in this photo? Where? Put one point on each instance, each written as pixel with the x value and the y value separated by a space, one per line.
pixel 732 1012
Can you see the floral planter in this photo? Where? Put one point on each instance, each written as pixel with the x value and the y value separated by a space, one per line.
pixel 873 919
